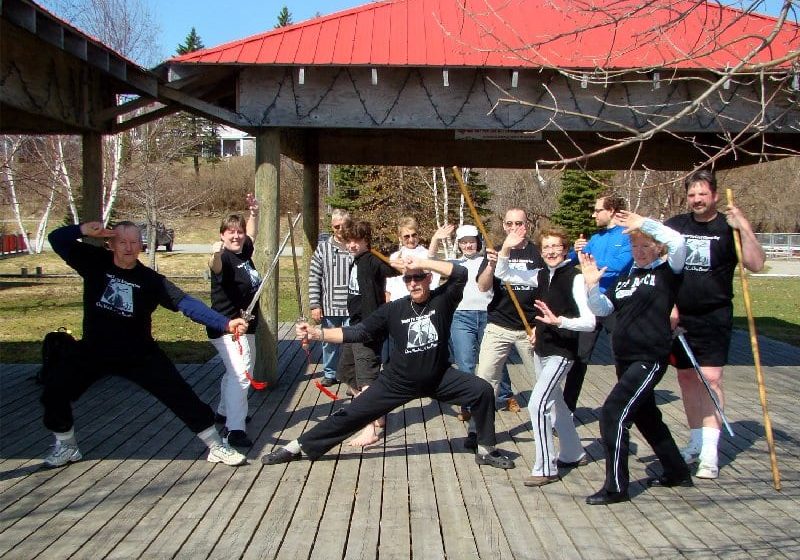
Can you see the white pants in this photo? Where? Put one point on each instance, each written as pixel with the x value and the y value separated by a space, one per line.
pixel 495 348
pixel 547 408
pixel 233 389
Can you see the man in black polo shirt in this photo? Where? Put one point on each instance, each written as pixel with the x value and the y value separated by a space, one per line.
pixel 419 325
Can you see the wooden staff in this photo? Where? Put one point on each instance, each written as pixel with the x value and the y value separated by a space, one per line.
pixel 381 256
pixel 751 325
pixel 487 239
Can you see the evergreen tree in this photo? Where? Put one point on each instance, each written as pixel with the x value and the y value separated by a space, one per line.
pixel 202 131
pixel 192 43
pixel 579 190
pixel 284 18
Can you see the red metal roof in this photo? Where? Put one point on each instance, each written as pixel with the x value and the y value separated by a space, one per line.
pixel 516 34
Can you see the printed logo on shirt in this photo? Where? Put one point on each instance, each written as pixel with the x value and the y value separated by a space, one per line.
pixel 628 287
pixel 255 279
pixel 520 265
pixel 422 334
pixel 352 286
pixel 698 253
pixel 118 297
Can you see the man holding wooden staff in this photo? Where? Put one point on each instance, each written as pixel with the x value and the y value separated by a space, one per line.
pixel 705 308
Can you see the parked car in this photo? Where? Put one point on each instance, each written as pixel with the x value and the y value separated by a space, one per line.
pixel 164 236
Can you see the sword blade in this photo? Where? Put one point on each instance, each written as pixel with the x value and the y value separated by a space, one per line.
pixel 247 314
pixel 706 384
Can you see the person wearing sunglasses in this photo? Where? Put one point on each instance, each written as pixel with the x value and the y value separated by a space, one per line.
pixel 563 311
pixel 408 237
pixel 419 325
pixel 504 329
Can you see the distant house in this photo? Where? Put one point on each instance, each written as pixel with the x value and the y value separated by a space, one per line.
pixel 235 142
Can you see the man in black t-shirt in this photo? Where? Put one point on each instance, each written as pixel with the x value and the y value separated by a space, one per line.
pixel 419 325
pixel 705 308
pixel 505 329
pixel 120 295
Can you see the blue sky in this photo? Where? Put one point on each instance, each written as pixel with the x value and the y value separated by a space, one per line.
pixel 219 22
pixel 222 21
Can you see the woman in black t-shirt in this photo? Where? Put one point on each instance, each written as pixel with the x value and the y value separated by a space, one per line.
pixel 234 280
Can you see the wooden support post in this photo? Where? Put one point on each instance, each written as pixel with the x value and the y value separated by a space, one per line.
pixel 310 219
pixel 267 190
pixel 92 190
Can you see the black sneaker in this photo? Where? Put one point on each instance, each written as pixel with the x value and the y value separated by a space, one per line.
pixel 236 438
pixel 494 459
pixel 328 381
pixel 280 455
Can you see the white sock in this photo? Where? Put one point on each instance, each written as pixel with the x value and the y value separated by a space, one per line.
pixel 210 437
pixel 485 449
pixel 696 438
pixel 293 447
pixel 708 454
pixel 67 438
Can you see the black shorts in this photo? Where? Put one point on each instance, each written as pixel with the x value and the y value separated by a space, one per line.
pixel 708 335
pixel 359 364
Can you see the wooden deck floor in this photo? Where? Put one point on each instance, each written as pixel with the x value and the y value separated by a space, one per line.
pixel 145 490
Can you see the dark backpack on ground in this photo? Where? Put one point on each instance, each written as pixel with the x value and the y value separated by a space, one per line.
pixel 56 348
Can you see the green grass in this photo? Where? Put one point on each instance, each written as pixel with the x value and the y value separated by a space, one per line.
pixel 32 307
pixel 775 305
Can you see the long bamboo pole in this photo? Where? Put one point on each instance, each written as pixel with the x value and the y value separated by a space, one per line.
pixel 488 240
pixel 751 325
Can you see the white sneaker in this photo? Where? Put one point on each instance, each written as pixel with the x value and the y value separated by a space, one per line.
pixel 707 470
pixel 690 454
pixel 223 453
pixel 61 454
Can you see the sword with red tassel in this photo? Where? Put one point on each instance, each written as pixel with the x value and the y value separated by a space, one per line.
pixel 248 315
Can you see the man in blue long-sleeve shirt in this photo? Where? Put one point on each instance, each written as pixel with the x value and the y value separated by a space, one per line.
pixel 611 249
pixel 120 295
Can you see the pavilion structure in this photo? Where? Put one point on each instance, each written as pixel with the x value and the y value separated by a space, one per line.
pixel 666 84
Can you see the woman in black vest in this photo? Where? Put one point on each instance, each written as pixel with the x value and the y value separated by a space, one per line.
pixel 561 301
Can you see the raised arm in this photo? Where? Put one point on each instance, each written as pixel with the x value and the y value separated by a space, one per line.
pixel 753 255
pixel 599 304
pixel 252 219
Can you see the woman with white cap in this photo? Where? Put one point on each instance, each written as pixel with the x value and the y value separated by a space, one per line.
pixel 469 320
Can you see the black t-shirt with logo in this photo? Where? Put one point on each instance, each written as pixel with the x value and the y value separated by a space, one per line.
pixel 117 302
pixel 643 300
pixel 420 333
pixel 501 310
pixel 710 263
pixel 233 288
pixel 365 288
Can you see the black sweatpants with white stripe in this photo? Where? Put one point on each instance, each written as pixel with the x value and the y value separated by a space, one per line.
pixel 633 401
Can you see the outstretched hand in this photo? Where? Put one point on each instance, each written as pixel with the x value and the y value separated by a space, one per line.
pixel 547 317
pixel 96 229
pixel 591 274
pixel 629 220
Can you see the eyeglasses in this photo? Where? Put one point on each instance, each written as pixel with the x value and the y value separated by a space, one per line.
pixel 337 227
pixel 552 248
pixel 418 277
pixel 410 235
pixel 517 223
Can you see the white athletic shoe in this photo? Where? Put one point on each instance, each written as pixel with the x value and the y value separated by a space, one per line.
pixel 690 454
pixel 224 453
pixel 61 454
pixel 707 470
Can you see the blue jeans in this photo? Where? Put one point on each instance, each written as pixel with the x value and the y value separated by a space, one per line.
pixel 466 333
pixel 330 352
